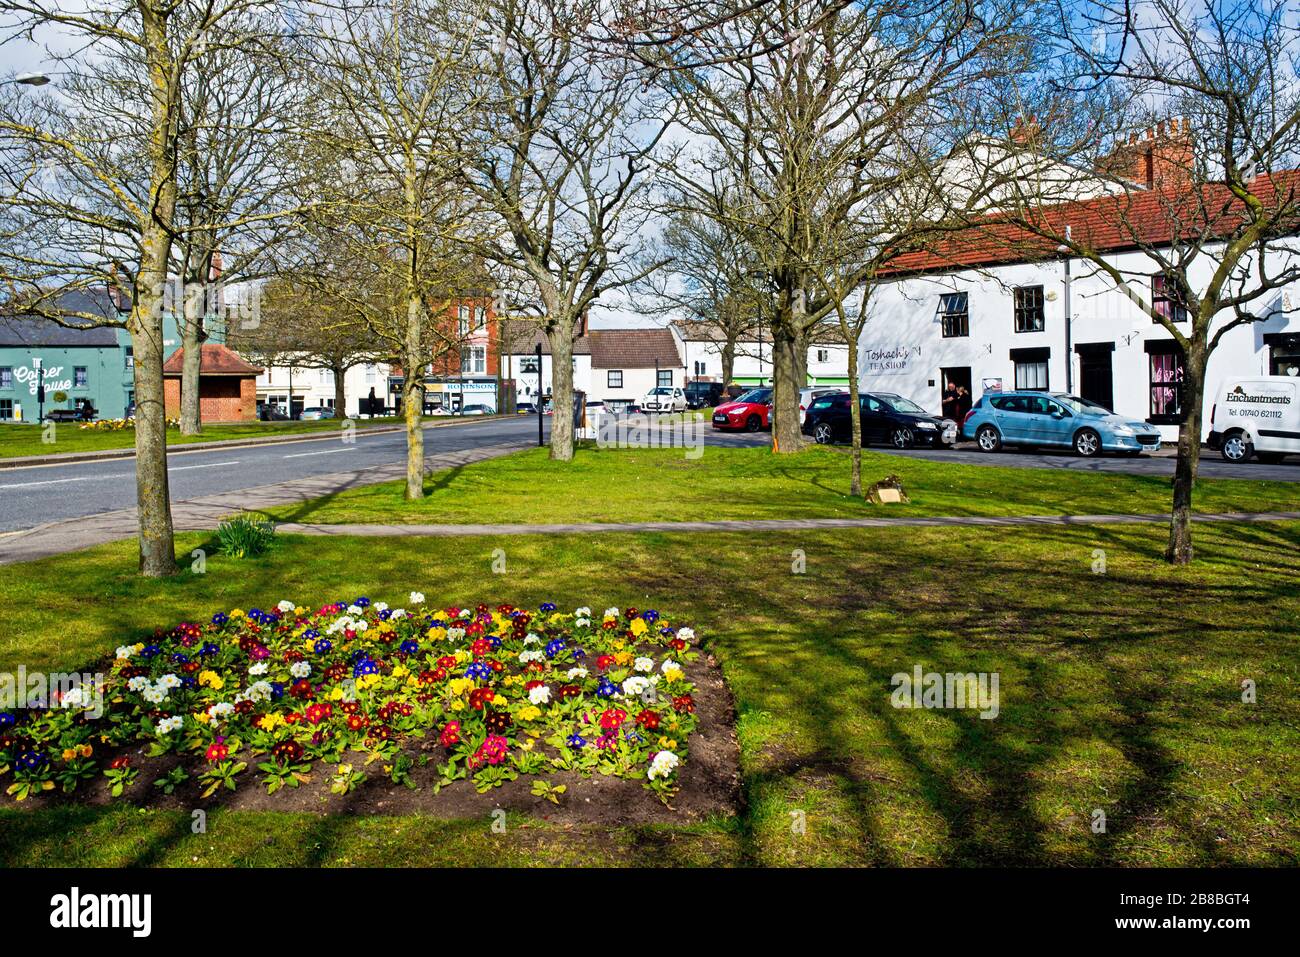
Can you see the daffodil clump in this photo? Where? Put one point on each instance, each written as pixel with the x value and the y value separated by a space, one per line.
pixel 503 691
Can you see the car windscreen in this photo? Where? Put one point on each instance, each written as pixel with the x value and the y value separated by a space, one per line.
pixel 1075 404
pixel 899 404
pixel 759 396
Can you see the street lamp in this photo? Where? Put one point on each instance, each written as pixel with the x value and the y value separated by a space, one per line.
pixel 30 79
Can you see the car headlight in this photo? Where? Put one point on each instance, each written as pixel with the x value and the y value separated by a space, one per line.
pixel 1122 430
pixel 926 425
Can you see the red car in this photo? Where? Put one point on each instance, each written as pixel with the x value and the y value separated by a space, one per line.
pixel 750 412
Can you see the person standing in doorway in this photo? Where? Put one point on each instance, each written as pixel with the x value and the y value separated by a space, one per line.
pixel 950 401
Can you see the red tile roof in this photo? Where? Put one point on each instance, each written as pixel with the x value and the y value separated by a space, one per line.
pixel 214 359
pixel 1133 220
pixel 634 349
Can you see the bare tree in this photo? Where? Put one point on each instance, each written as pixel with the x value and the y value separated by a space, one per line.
pixel 394 93
pixel 562 163
pixel 791 102
pixel 90 170
pixel 1211 204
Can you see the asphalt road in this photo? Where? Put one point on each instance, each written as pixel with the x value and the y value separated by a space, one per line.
pixel 39 494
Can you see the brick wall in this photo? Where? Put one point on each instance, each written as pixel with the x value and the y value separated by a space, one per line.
pixel 221 398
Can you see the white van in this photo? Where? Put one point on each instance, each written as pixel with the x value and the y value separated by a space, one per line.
pixel 1256 416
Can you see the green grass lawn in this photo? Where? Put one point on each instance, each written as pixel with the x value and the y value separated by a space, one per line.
pixel 16 440
pixel 738 483
pixel 1119 691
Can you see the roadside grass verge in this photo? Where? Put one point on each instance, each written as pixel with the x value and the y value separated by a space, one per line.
pixel 18 440
pixel 627 485
pixel 1118 691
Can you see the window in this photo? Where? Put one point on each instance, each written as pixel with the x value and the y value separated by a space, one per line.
pixel 823 355
pixel 954 314
pixel 1166 383
pixel 79 376
pixel 1031 368
pixel 462 321
pixel 130 357
pixel 665 377
pixel 480 317
pixel 370 375
pixel 1028 302
pixel 473 360
pixel 6 377
pixel 6 408
pixel 1165 302
pixel 614 379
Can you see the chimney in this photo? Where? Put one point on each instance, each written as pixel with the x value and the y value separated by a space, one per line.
pixel 1161 157
pixel 1026 131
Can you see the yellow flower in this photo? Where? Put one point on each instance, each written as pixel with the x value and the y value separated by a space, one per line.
pixel 86 750
pixel 367 681
pixel 437 634
pixel 69 754
pixel 336 694
pixel 400 671
pixel 236 613
pixel 457 705
pixel 530 712
pixel 212 680
pixel 271 721
pixel 459 686
pixel 499 700
pixel 673 672
pixel 623 657
pixel 639 627
pixel 202 717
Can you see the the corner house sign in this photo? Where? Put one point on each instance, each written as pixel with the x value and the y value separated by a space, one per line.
pixel 31 376
pixel 895 361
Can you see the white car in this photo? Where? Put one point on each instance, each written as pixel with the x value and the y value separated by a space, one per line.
pixel 806 397
pixel 1258 416
pixel 664 399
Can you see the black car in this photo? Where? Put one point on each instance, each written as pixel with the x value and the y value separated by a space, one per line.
pixel 272 413
pixel 887 419
pixel 701 394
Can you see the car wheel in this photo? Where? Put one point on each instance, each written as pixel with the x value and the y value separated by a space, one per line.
pixel 822 433
pixel 902 438
pixel 1087 443
pixel 988 439
pixel 1237 448
pixel 753 423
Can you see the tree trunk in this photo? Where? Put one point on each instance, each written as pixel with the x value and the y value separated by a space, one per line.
pixel 340 394
pixel 413 400
pixel 1179 551
pixel 786 436
pixel 560 337
pixel 855 420
pixel 728 360
pixel 192 343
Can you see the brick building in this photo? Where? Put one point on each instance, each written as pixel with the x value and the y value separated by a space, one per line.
pixel 227 385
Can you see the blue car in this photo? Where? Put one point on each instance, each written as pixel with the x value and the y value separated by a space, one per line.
pixel 1055 419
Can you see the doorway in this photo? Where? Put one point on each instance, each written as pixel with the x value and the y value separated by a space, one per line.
pixel 955 402
pixel 1096 379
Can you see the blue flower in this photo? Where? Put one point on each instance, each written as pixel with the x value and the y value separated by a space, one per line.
pixel 366 667
pixel 323 647
pixel 7 719
pixel 410 646
pixel 151 651
pixel 189 684
pixel 479 671
pixel 385 615
pixel 576 741
pixel 554 647
pixel 181 659
pixel 209 649
pixel 633 736
pixel 362 602
pixel 310 633
pixel 579 654
pixel 437 623
pixel 277 690
pixel 220 619
pixel 651 615
pixel 606 688
pixel 32 761
pixel 548 606
pixel 494 641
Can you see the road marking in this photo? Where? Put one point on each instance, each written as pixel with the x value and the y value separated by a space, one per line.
pixel 79 478
pixel 210 465
pixel 299 455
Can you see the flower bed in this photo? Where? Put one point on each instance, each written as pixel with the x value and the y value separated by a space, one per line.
pixel 504 692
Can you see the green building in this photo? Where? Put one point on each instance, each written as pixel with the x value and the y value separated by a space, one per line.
pixel 84 367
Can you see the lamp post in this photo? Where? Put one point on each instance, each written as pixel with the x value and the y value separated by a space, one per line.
pixel 30 79
pixel 40 390
pixel 540 443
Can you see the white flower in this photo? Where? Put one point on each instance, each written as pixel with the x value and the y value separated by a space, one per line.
pixel 138 683
pixel 300 669
pixel 539 695
pixel 644 664
pixel 258 691
pixel 168 725
pixel 611 612
pixel 455 634
pixel 381 606
pixel 671 669
pixel 125 651
pixel 360 626
pixel 221 710
pixel 532 654
pixel 686 634
pixel 531 639
pixel 356 610
pixel 583 612
pixel 417 598
pixel 155 695
pixel 635 685
pixel 582 622
pixel 169 682
pixel 286 605
pixel 664 764
pixel 577 673
pixel 259 669
pixel 398 613
pixel 74 698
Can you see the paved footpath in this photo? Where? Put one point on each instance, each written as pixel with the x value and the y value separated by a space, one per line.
pixel 203 513
pixel 773 524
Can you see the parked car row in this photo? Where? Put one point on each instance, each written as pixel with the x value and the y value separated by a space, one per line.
pixel 1055 420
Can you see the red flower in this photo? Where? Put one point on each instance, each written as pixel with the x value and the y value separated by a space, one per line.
pixel 677 644
pixel 569 691
pixel 685 703
pixel 604 661
pixel 287 752
pixel 535 683
pixel 479 697
pixel 450 734
pixel 217 751
pixel 648 719
pixel 301 689
pixel 121 762
pixel 480 647
pixel 446 661
pixel 613 719
pixel 350 707
pixel 357 721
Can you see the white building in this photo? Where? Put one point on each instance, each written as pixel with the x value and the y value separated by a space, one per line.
pixel 987 319
pixel 294 388
pixel 703 344
pixel 615 366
